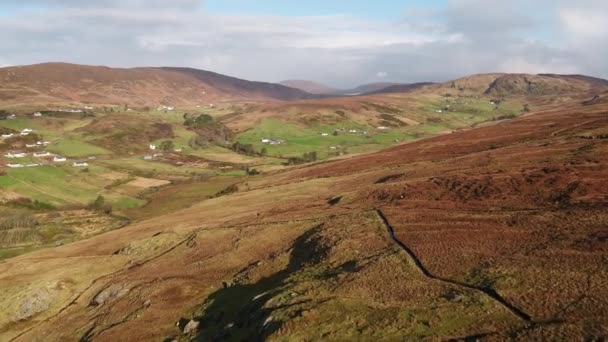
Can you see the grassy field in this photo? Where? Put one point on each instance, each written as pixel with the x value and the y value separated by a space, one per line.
pixel 76 148
pixel 455 114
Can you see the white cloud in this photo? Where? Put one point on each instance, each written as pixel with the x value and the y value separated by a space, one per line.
pixel 466 37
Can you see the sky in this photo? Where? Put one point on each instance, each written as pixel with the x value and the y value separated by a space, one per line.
pixel 341 43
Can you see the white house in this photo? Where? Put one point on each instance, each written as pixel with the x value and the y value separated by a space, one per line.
pixel 382 127
pixel 324 134
pixel 333 148
pixel 439 111
pixel 14 165
pixel 30 145
pixel 12 116
pixel 6 136
pixel 80 164
pixel 42 154
pixel 148 157
pixel 177 150
pixel 58 159
pixel 23 134
pixel 266 141
pixel 352 131
pixel 153 147
pixel 88 107
pixel 37 114
pixel 32 165
pixel 15 155
pixel 27 130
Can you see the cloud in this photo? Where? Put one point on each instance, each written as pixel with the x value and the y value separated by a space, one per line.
pixel 465 37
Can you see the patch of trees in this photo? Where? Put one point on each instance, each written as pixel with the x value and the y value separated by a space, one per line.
pixel 246 149
pixel 195 121
pixel 209 131
pixel 305 158
pixel 166 146
pixel 4 114
pixel 100 205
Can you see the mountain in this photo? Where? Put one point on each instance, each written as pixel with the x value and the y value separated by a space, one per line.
pixel 62 82
pixel 321 89
pixel 527 85
pixel 401 88
pixel 366 88
pixel 310 86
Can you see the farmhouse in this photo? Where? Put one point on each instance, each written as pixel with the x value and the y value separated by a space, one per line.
pixel 27 130
pixel 153 147
pixel 15 155
pixel 382 127
pixel 6 136
pixel 80 164
pixel 58 159
pixel 148 157
pixel 276 141
pixel 11 117
pixel 11 165
pixel 42 154
pixel 266 141
pixel 30 145
pixel 324 134
pixel 37 114
pixel 32 165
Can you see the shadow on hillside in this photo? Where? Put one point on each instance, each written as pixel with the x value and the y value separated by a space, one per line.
pixel 237 313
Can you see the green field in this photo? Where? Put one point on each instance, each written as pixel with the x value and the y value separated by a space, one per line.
pixel 76 148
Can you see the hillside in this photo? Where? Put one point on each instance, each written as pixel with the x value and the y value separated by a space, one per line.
pixel 493 233
pixel 366 88
pixel 522 85
pixel 401 88
pixel 61 82
pixel 310 86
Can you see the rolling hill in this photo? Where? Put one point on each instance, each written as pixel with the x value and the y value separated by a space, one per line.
pixel 61 82
pixel 494 233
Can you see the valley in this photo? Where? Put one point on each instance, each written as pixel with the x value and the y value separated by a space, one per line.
pixel 467 210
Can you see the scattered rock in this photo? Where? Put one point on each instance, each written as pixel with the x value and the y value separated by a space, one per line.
pixel 191 327
pixel 35 303
pixel 268 320
pixel 258 296
pixel 111 293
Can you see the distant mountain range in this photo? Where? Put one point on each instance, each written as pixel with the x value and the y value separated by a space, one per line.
pixel 62 82
pixel 321 89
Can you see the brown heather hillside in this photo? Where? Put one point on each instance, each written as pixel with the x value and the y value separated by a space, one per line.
pixel 522 85
pixel 496 233
pixel 61 82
